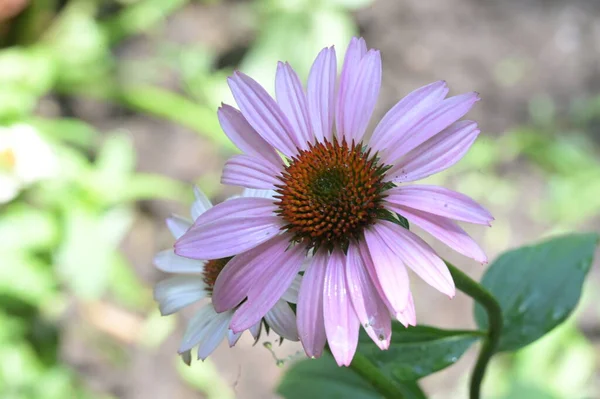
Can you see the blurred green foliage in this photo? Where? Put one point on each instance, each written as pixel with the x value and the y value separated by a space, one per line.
pixel 60 236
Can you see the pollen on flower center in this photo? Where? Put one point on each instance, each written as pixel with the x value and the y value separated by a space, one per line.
pixel 212 268
pixel 330 193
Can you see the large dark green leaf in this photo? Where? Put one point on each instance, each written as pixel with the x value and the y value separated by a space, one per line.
pixel 323 378
pixel 416 352
pixel 538 286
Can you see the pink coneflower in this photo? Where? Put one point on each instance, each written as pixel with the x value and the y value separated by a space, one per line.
pixel 337 200
pixel 194 281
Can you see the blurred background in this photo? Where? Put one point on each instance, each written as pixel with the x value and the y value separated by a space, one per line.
pixel 108 116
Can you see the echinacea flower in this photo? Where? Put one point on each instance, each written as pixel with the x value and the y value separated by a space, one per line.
pixel 337 200
pixel 194 281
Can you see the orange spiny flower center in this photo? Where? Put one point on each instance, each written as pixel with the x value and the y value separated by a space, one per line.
pixel 212 268
pixel 330 193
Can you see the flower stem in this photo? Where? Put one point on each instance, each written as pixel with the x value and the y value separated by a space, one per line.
pixel 494 314
pixel 367 370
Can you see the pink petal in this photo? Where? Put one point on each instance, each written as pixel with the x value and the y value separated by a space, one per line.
pixel 243 271
pixel 388 269
pixel 263 114
pixel 436 154
pixel 239 131
pixel 441 116
pixel 359 88
pixel 282 320
pixel 408 317
pixel 275 278
pixel 370 309
pixel 311 325
pixel 292 100
pixel 439 201
pixel 248 171
pixel 239 226
pixel 444 230
pixel 399 120
pixel 341 322
pixel 321 94
pixel 418 255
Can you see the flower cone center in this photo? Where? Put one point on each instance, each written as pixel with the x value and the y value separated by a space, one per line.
pixel 212 269
pixel 330 193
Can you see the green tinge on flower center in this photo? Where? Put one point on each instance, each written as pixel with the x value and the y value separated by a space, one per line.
pixel 212 269
pixel 330 193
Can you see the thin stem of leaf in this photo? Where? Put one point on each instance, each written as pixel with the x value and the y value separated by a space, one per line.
pixel 494 313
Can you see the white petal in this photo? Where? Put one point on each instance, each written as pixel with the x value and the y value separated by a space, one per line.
pixel 169 262
pixel 177 292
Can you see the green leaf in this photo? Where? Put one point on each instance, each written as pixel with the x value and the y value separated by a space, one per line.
pixel 323 378
pixel 537 286
pixel 416 352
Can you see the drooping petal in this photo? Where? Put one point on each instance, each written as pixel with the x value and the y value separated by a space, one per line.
pixel 292 100
pixel 263 114
pixel 201 203
pixel 311 324
pixel 399 120
pixel 321 94
pixel 357 100
pixel 341 322
pixel 248 171
pixel 230 228
pixel 408 317
pixel 444 230
pixel 175 293
pixel 242 273
pixel 178 225
pixel 282 320
pixel 440 201
pixel 389 269
pixel 443 115
pixel 436 154
pixel 255 330
pixel 239 131
pixel 291 295
pixel 233 338
pixel 169 262
pixel 274 280
pixel 418 255
pixel 370 309
pixel 206 329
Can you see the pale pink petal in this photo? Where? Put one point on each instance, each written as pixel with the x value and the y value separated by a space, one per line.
pixel 248 171
pixel 291 295
pixel 439 201
pixel 370 309
pixel 239 226
pixel 311 325
pixel 282 319
pixel 175 293
pixel 255 330
pixel 443 115
pixel 357 48
pixel 408 317
pixel 341 322
pixel 418 255
pixel 436 154
pixel 321 94
pixel 292 100
pixel 399 120
pixel 239 131
pixel 274 280
pixel 200 205
pixel 389 269
pixel 178 225
pixel 242 273
pixel 263 114
pixel 233 338
pixel 444 230
pixel 169 262
pixel 359 88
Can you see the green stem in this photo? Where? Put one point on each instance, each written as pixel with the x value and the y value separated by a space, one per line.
pixel 367 370
pixel 494 313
